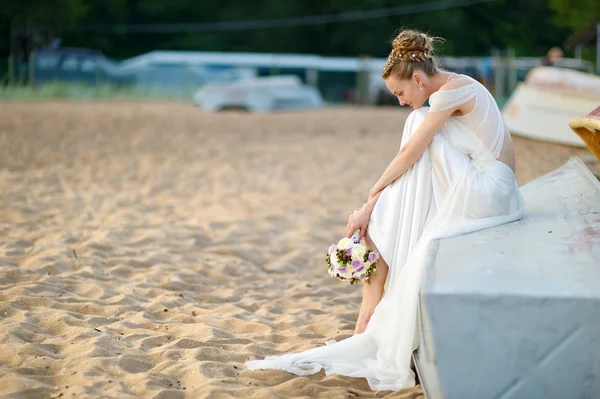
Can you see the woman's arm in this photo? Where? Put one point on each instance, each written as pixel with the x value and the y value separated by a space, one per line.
pixel 410 153
pixel 370 204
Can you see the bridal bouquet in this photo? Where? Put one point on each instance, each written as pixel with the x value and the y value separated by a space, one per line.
pixel 349 260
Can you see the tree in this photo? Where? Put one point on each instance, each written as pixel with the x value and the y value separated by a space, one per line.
pixel 576 14
pixel 531 27
pixel 33 23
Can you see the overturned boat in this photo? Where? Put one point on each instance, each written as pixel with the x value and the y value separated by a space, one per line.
pixel 541 107
pixel 512 311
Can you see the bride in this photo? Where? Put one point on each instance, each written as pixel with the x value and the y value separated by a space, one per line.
pixel 453 174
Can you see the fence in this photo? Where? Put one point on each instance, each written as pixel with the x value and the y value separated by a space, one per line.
pixel 176 73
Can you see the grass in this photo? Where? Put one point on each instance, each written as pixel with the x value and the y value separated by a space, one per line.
pixel 86 92
pixel 104 91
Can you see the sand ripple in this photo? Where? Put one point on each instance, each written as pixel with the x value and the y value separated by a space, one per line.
pixel 151 249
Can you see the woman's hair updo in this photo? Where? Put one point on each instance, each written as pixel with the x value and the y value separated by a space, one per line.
pixel 411 50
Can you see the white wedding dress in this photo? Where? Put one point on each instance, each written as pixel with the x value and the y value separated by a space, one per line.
pixel 457 186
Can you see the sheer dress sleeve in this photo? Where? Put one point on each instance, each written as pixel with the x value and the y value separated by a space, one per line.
pixel 443 100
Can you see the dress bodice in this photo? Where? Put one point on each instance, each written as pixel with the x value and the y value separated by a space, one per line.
pixel 485 120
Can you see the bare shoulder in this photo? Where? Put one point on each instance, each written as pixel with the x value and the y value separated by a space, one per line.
pixel 457 81
pixel 461 89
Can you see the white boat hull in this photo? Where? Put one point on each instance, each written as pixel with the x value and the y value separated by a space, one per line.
pixel 512 311
pixel 544 114
pixel 542 106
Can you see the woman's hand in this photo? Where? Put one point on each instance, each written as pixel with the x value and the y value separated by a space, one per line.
pixel 364 316
pixel 358 220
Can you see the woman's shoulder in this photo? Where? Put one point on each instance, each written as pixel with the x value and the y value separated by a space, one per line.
pixel 455 88
pixel 458 90
pixel 457 82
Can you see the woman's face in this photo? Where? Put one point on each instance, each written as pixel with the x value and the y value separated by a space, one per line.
pixel 407 90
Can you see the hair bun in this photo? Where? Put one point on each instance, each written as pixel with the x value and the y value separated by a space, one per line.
pixel 413 46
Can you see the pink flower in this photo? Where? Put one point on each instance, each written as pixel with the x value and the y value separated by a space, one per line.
pixel 358 266
pixel 332 249
pixel 373 256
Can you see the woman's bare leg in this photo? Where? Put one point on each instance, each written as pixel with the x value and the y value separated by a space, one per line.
pixel 372 291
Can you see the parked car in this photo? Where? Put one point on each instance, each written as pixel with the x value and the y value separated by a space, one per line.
pixel 260 94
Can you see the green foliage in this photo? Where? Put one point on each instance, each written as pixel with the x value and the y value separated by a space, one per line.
pixel 59 15
pixel 576 13
pixel 531 26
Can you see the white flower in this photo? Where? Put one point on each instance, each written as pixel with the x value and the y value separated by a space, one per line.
pixel 345 243
pixel 334 261
pixel 359 251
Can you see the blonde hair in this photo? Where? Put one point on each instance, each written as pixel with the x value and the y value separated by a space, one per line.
pixel 411 50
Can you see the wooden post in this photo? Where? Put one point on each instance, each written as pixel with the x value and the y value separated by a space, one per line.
pixel 312 77
pixel 31 68
pixel 274 67
pixel 598 48
pixel 97 89
pixel 11 56
pixel 498 68
pixel 512 71
pixel 362 81
pixel 11 69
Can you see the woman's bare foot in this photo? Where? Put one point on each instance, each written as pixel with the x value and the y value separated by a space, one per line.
pixel 372 291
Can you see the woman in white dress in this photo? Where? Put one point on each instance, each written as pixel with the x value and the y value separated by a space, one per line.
pixel 453 174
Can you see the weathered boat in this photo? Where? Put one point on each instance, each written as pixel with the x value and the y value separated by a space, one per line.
pixel 541 107
pixel 512 311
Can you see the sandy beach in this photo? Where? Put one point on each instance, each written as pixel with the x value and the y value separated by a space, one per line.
pixel 150 249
